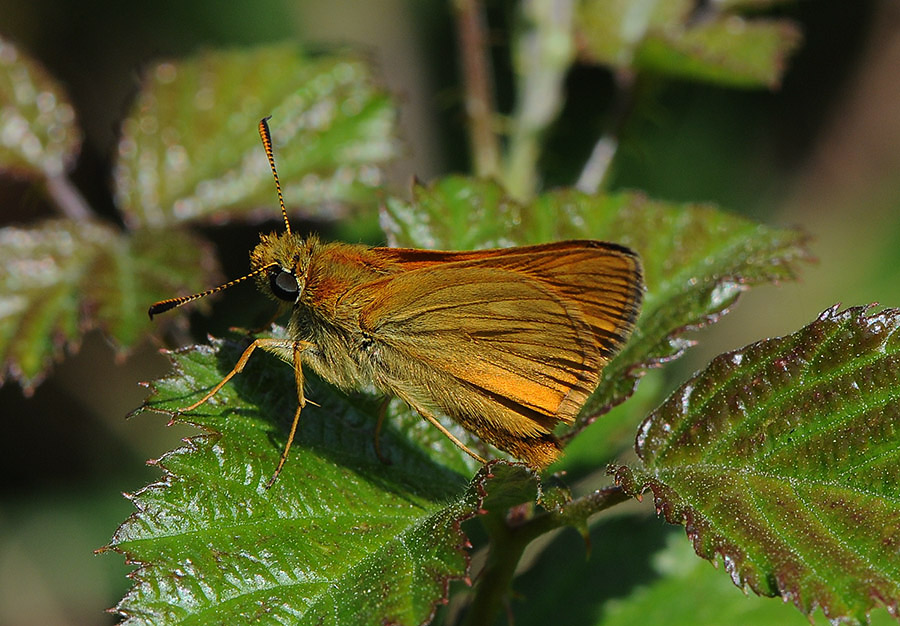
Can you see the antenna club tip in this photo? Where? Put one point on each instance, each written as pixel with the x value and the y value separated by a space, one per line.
pixel 161 307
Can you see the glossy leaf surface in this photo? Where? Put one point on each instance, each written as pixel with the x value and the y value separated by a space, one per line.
pixel 340 538
pixel 61 278
pixel 38 135
pixel 781 458
pixel 190 151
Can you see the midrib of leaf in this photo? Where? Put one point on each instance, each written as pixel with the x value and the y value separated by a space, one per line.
pixel 853 411
pixel 720 524
pixel 826 529
pixel 777 399
pixel 123 267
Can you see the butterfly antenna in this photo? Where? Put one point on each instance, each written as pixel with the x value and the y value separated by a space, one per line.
pixel 266 137
pixel 171 303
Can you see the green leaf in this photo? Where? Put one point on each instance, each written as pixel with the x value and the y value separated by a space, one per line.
pixel 38 135
pixel 728 51
pixel 610 31
pixel 453 213
pixel 62 278
pixel 190 151
pixel 645 576
pixel 690 592
pixel 697 259
pixel 340 538
pixel 782 458
pixel 673 39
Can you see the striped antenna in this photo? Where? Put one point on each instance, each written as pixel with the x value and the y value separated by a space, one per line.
pixel 171 303
pixel 267 144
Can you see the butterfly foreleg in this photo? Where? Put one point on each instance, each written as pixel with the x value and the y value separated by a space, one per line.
pixel 238 368
pixel 428 415
pixel 288 350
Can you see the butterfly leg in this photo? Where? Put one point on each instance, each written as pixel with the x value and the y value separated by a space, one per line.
pixel 434 421
pixel 297 348
pixel 279 347
pixel 382 413
pixel 241 364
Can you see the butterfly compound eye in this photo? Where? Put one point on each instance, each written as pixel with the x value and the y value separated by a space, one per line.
pixel 284 285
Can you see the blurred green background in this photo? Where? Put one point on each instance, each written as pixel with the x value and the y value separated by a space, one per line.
pixel 823 152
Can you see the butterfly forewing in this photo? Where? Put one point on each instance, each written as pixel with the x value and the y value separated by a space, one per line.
pixel 529 329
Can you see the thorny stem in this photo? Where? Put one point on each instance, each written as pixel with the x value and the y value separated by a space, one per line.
pixel 477 78
pixel 68 199
pixel 509 541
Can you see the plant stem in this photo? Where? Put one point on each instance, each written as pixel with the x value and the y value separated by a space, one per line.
pixel 477 78
pixel 68 199
pixel 543 50
pixel 509 541
pixel 506 550
pixel 596 169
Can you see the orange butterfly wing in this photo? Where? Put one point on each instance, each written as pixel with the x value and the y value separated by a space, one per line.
pixel 528 330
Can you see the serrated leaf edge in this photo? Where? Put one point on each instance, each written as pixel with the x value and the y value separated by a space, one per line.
pixel 635 482
pixel 469 505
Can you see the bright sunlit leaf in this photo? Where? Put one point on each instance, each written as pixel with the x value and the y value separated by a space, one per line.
pixel 38 135
pixel 341 538
pixel 62 278
pixel 189 149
